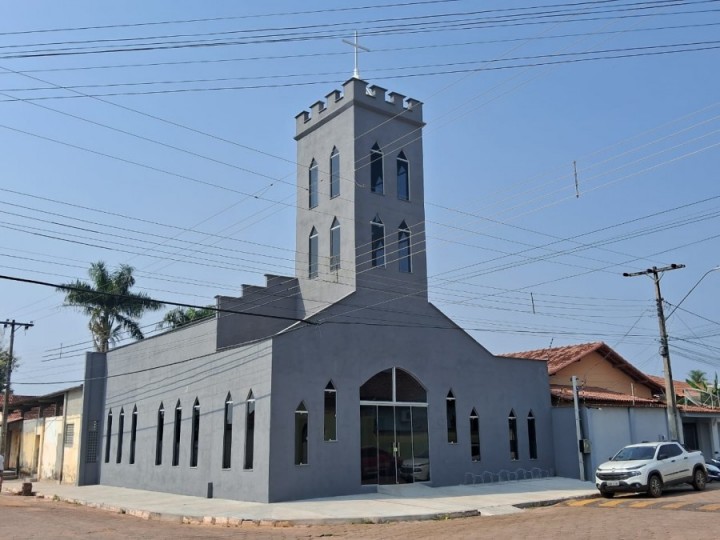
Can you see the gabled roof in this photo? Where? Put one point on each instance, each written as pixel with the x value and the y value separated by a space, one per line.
pixel 680 386
pixel 558 358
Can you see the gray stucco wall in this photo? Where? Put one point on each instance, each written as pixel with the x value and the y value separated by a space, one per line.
pixel 611 428
pixel 442 358
pixel 566 445
pixel 188 368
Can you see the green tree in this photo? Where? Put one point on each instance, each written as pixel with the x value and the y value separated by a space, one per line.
pixel 113 309
pixel 4 357
pixel 175 318
pixel 697 379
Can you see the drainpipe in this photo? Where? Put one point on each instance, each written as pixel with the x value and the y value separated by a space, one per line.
pixel 578 433
pixel 62 450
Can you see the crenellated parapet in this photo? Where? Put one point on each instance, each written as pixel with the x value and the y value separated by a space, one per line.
pixel 359 93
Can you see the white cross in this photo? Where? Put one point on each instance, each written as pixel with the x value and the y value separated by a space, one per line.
pixel 356 46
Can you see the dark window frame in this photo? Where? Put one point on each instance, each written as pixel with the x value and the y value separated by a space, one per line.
pixel 313 255
pixel 133 434
pixel 330 413
pixel 403 185
pixel 159 434
pixel 195 434
pixel 377 176
pixel 249 432
pixel 313 185
pixel 227 432
pixel 334 173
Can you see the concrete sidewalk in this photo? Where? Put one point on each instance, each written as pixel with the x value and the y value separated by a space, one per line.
pixel 391 503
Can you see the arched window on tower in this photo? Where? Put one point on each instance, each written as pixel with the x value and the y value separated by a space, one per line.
pixel 404 260
pixel 377 247
pixel 313 254
pixel 335 245
pixel 376 170
pixel 334 173
pixel 403 177
pixel 313 184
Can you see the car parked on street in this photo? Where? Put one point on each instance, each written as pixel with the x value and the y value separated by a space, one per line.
pixel 649 467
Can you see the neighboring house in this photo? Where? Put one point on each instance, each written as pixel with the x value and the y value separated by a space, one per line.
pixel 618 404
pixel 338 380
pixel 700 414
pixel 44 432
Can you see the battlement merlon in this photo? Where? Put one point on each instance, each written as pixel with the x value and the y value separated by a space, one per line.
pixel 361 93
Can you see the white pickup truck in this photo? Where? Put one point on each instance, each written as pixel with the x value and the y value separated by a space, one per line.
pixel 648 467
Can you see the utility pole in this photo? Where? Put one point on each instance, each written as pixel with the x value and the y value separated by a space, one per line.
pixel 676 433
pixel 4 447
pixel 578 432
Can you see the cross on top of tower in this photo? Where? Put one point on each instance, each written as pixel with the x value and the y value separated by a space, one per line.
pixel 356 46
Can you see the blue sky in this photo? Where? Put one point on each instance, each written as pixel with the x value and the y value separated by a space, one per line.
pixel 130 138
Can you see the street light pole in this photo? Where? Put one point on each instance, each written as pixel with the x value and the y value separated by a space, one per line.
pixel 4 447
pixel 671 402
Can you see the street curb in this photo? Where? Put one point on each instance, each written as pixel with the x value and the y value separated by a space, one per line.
pixel 225 521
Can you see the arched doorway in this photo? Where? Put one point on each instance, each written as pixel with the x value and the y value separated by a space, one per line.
pixel 393 429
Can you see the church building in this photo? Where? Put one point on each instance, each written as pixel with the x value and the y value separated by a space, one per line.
pixel 334 381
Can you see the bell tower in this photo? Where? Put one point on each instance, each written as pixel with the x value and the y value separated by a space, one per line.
pixel 360 196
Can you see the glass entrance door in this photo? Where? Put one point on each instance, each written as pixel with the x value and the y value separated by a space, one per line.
pixel 394 444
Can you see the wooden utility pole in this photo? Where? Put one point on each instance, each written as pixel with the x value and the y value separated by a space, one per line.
pixel 4 446
pixel 676 433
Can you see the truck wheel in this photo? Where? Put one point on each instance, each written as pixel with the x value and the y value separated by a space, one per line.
pixel 607 494
pixel 699 480
pixel 654 488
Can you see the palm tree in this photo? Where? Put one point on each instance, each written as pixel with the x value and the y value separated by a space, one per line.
pixel 175 318
pixel 107 300
pixel 697 379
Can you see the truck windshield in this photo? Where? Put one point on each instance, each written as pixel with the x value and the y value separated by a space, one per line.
pixel 633 453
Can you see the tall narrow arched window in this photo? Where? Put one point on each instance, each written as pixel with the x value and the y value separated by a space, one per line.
pixel 313 254
pixel 176 435
pixel 335 245
pixel 403 177
pixel 376 170
pixel 404 260
pixel 474 436
pixel 249 431
pixel 195 434
pixel 334 173
pixel 159 435
pixel 301 434
pixel 451 414
pixel 121 430
pixel 330 421
pixel 377 248
pixel 532 436
pixel 513 434
pixel 133 434
pixel 313 184
pixel 108 436
pixel 227 432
